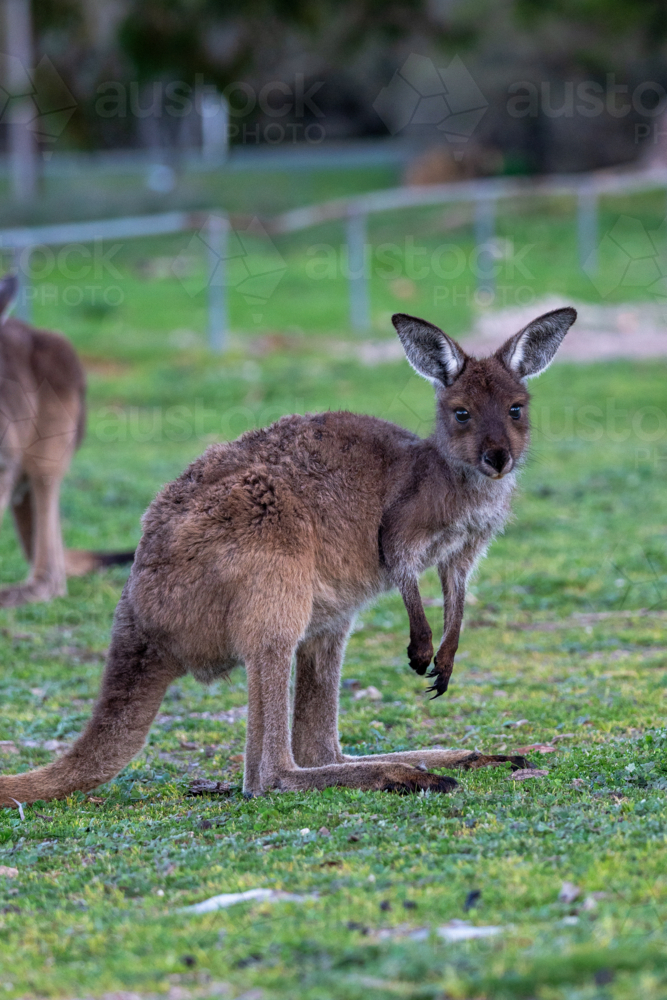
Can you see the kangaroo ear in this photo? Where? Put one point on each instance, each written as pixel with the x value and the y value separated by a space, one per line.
pixel 533 349
pixel 9 287
pixel 432 354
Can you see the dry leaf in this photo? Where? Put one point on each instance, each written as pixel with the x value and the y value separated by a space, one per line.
pixel 8 872
pixel 591 901
pixel 236 758
pixel 539 747
pixel 461 930
pixel 562 736
pixel 8 746
pixel 524 773
pixel 226 899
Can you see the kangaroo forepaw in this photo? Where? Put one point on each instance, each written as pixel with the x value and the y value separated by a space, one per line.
pixel 441 680
pixel 420 655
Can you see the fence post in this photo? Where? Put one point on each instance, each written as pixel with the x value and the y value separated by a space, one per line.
pixel 587 228
pixel 485 227
pixel 217 228
pixel 214 113
pixel 21 267
pixel 356 269
pixel 20 112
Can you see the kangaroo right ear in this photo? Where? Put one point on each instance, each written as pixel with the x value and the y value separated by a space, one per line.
pixel 432 354
pixel 9 287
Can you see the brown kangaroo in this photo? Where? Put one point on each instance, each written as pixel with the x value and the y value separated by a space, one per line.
pixel 266 548
pixel 42 421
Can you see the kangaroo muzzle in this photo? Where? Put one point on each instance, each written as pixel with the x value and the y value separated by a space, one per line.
pixel 496 462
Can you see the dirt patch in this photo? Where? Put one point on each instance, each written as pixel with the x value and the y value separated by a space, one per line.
pixel 629 330
pixel 636 330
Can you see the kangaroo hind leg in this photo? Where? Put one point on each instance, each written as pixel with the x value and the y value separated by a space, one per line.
pixel 22 512
pixel 268 671
pixel 315 721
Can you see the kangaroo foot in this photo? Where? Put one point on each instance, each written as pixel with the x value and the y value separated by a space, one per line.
pixel 31 593
pixel 369 777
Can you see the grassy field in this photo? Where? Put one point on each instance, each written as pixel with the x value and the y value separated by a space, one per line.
pixel 102 879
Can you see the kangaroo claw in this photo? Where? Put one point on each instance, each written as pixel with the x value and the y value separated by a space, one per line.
pixel 441 682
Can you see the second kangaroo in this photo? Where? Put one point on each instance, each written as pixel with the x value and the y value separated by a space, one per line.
pixel 266 548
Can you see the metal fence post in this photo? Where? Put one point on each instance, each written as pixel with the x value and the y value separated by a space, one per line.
pixel 217 228
pixel 485 227
pixel 19 113
pixel 21 267
pixel 587 228
pixel 356 269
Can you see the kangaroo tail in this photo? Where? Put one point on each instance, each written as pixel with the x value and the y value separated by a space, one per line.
pixel 79 562
pixel 134 683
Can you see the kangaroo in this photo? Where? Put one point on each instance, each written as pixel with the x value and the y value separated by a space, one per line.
pixel 42 421
pixel 266 548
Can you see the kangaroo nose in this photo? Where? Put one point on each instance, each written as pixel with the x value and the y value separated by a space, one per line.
pixel 497 459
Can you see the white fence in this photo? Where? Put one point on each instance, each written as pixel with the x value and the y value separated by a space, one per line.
pixel 484 195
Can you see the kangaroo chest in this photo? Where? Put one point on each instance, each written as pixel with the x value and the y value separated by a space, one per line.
pixel 467 529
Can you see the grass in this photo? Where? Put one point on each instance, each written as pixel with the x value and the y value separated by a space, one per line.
pixel 96 904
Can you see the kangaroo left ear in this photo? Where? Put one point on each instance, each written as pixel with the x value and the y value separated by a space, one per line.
pixel 533 349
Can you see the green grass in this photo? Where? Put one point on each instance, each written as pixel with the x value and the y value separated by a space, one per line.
pixel 102 878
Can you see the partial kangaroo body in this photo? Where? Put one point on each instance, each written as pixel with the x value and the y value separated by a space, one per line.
pixel 42 421
pixel 265 549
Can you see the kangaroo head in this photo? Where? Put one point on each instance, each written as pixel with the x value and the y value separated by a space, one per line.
pixel 482 405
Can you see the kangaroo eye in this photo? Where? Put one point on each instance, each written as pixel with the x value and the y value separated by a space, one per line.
pixel 461 415
pixel 515 412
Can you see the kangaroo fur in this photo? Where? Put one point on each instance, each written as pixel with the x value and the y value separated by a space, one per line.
pixel 42 422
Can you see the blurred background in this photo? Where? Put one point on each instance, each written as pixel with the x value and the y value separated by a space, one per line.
pixel 551 86
pixel 222 205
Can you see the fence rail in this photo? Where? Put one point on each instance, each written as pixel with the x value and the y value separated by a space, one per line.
pixel 215 227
